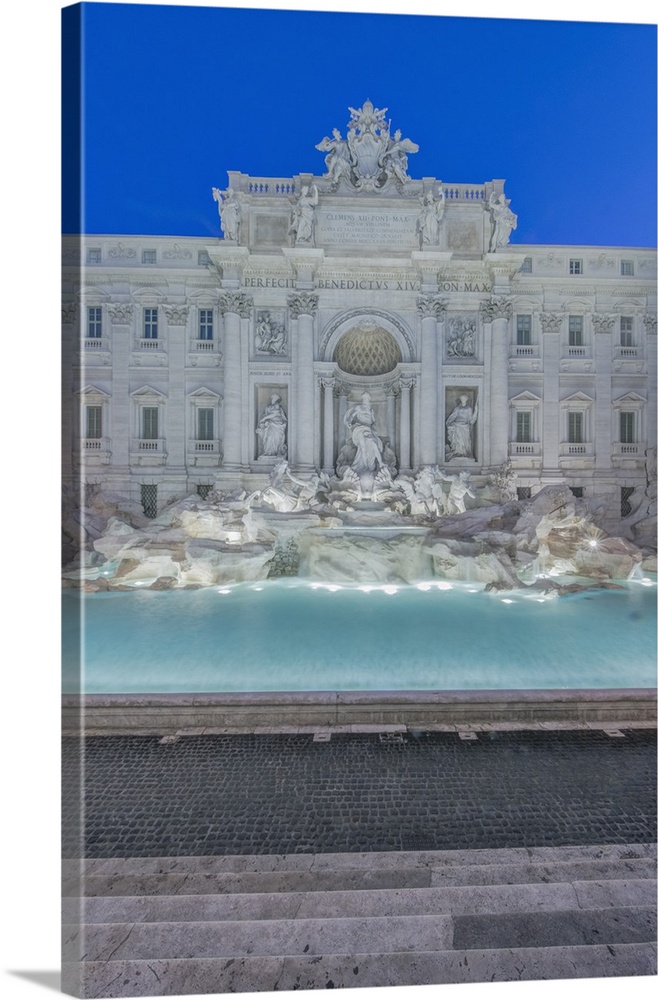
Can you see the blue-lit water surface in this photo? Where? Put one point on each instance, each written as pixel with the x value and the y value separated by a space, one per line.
pixel 292 636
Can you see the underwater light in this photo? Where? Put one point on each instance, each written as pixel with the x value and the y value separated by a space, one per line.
pixel 423 586
pixel 390 590
pixel 443 585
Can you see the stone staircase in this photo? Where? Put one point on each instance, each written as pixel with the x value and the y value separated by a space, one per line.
pixel 168 926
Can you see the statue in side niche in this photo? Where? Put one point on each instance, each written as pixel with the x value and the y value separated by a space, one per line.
pixel 459 428
pixel 272 428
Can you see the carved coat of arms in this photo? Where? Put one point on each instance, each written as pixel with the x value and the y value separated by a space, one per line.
pixel 369 158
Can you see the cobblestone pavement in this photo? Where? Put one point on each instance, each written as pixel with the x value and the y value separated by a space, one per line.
pixel 259 794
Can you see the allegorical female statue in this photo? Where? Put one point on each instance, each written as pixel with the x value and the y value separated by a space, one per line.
pixel 271 428
pixel 504 221
pixel 459 427
pixel 230 211
pixel 302 225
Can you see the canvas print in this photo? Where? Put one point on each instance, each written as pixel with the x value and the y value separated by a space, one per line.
pixel 359 449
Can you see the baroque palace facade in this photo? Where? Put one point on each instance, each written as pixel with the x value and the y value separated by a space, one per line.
pixel 192 365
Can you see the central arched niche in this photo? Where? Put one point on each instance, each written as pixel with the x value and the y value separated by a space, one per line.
pixel 367 349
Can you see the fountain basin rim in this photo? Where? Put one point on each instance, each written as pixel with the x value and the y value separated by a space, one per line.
pixel 245 712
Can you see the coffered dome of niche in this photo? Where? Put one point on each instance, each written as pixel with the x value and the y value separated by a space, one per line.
pixel 367 349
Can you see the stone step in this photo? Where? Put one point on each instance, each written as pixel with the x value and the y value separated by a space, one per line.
pixel 239 938
pixel 375 860
pixel 343 935
pixel 192 883
pixel 489 899
pixel 167 977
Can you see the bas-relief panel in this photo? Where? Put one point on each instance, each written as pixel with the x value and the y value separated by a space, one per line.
pixel 272 229
pixel 461 342
pixel 463 237
pixel 270 334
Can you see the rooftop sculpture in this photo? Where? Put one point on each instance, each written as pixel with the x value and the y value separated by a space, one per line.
pixel 369 158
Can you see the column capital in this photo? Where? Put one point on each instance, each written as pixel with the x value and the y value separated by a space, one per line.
pixel 69 313
pixel 121 313
pixel 550 322
pixel 176 315
pixel 650 323
pixel 496 308
pixel 303 303
pixel 602 323
pixel 431 307
pixel 236 302
pixel 407 382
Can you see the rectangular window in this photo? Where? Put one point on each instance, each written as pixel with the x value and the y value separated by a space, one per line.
pixel 627 427
pixel 150 324
pixel 205 424
pixel 149 423
pixel 576 428
pixel 149 499
pixel 575 266
pixel 626 324
pixel 205 324
pixel 94 255
pixel 524 330
pixel 625 505
pixel 149 257
pixel 202 258
pixel 523 493
pixel 526 266
pixel 627 268
pixel 578 491
pixel 523 426
pixel 94 322
pixel 94 421
pixel 575 331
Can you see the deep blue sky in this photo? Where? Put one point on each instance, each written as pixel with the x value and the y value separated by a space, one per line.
pixel 176 96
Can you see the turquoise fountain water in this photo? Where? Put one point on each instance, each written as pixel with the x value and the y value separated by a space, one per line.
pixel 300 636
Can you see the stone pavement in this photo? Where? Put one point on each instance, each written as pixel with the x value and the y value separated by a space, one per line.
pixel 359 792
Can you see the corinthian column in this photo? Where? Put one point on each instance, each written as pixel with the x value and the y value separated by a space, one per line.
pixel 328 442
pixel 233 306
pixel 432 310
pixel 497 312
pixel 405 424
pixel 303 307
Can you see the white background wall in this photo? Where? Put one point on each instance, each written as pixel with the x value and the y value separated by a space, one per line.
pixel 30 549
